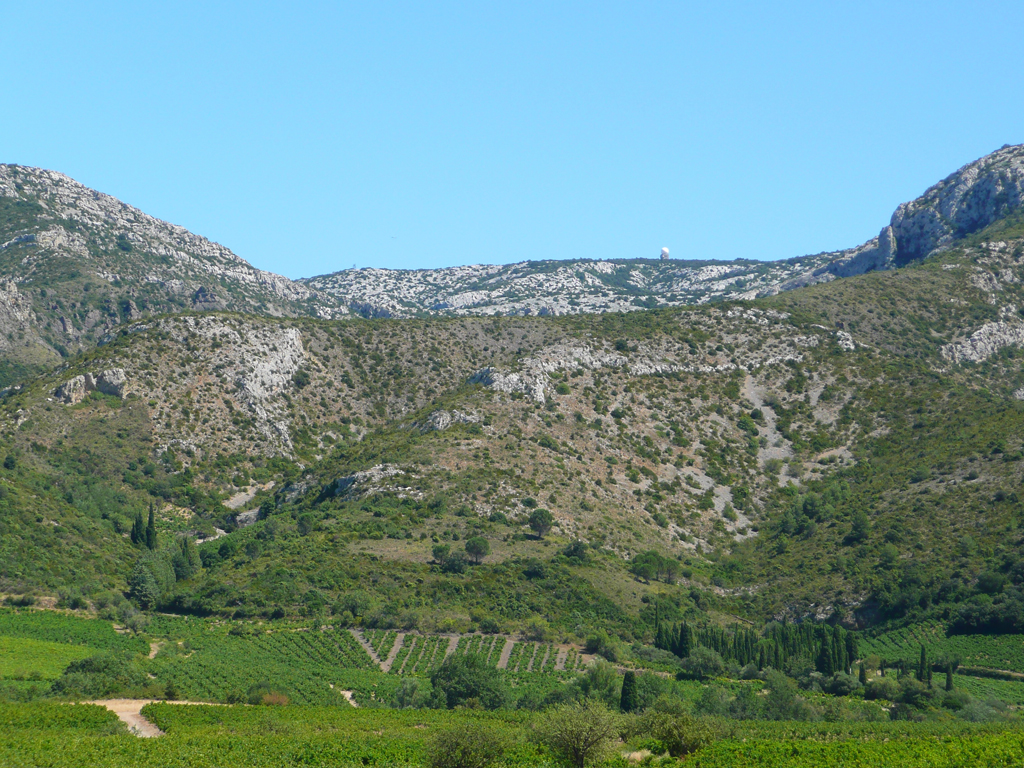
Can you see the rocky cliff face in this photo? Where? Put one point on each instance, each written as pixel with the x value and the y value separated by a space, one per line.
pixel 77 263
pixel 961 204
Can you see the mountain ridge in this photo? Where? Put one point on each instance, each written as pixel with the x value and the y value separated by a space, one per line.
pixel 76 264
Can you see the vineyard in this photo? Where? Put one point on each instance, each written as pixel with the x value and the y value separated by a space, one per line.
pixel 311 665
pixel 991 651
pixel 62 736
pixel 22 658
pixel 67 629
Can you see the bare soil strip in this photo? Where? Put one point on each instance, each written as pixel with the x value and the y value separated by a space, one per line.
pixel 399 641
pixel 506 651
pixel 361 639
pixel 453 643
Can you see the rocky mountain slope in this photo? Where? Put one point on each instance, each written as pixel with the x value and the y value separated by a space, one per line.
pixel 75 264
pixel 965 202
pixel 848 450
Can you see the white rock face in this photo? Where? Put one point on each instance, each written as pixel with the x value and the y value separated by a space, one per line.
pixel 442 420
pixel 984 342
pixel 110 382
pixel 261 361
pixel 71 391
pixel 353 483
pixel 963 202
pixel 533 375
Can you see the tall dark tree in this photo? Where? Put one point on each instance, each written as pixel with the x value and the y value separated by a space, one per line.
pixel 922 666
pixel 151 529
pixel 825 663
pixel 684 642
pixel 138 530
pixel 629 701
pixel 949 678
pixel 863 675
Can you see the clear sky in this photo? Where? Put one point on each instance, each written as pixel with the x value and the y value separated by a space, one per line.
pixel 312 136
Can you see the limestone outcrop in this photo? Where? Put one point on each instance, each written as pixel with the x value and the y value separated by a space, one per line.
pixel 113 381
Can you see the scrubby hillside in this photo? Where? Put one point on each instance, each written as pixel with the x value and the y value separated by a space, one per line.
pixel 848 450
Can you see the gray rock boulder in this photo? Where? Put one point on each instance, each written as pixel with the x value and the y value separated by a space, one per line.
pixel 113 381
pixel 71 391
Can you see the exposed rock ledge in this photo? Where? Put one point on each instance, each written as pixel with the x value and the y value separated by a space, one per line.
pixel 109 382
pixel 441 420
pixel 372 475
pixel 984 342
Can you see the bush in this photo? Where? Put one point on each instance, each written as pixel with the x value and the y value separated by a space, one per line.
pixel 99 676
pixel 467 681
pixel 579 733
pixel 882 688
pixel 465 745
pixel 701 664
pixel 680 735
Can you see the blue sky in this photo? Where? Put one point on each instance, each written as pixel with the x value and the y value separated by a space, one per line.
pixel 313 136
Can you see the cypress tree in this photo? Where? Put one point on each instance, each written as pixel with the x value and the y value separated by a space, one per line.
pixel 684 644
pixel 825 663
pixel 922 666
pixel 629 701
pixel 151 530
pixel 863 676
pixel 949 678
pixel 138 531
pixel 838 650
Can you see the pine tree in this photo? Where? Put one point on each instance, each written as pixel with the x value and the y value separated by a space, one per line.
pixel 629 701
pixel 949 678
pixel 151 530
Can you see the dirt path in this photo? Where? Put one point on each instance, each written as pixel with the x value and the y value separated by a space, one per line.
pixel 399 641
pixel 506 651
pixel 350 698
pixel 560 657
pixel 361 639
pixel 129 712
pixel 154 649
pixel 453 643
